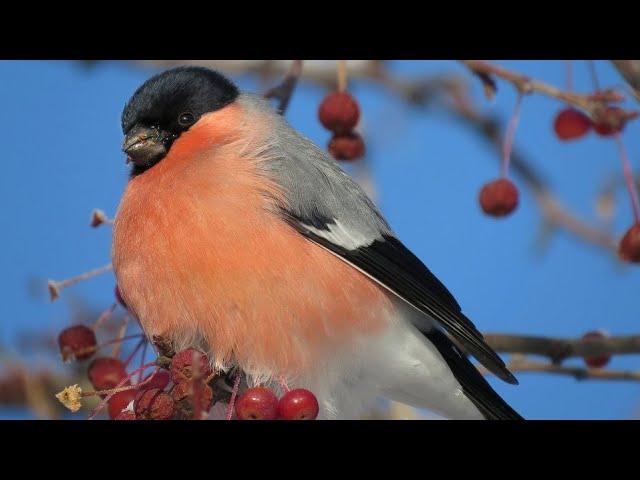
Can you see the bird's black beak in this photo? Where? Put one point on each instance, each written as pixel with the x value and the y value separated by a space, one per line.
pixel 144 146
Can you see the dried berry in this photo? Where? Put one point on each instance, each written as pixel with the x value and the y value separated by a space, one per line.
pixel 186 394
pixel 77 342
pixel 349 146
pixel 119 401
pixel 154 404
pixel 189 363
pixel 105 373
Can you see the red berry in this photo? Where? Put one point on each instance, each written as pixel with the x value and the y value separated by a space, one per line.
pixel 258 403
pixel 499 197
pixel 612 121
pixel 119 401
pixel 154 404
pixel 348 146
pixel 119 298
pixel 106 373
pixel 126 415
pixel 571 124
pixel 629 248
pixel 77 342
pixel 339 112
pixel 185 395
pixel 596 362
pixel 299 404
pixel 158 379
pixel 182 365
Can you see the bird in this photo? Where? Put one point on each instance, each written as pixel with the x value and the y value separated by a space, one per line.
pixel 237 235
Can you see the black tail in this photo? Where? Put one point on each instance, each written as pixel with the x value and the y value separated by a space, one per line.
pixel 474 385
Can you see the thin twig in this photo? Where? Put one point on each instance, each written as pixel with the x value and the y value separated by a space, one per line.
pixel 579 373
pixel 56 285
pixel 342 75
pixel 284 91
pixel 526 85
pixel 628 178
pixel 559 349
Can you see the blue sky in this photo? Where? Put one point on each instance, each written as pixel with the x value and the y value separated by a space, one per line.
pixel 62 158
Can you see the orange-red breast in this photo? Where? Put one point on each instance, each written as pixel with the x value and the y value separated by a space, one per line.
pixel 238 235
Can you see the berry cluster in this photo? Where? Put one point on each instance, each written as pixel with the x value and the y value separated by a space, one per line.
pixel 339 113
pixel 181 387
pixel 571 124
pixel 500 197
pixel 260 403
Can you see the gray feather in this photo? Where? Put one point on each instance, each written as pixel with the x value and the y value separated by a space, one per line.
pixel 328 207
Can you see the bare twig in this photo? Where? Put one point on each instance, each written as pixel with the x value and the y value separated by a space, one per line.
pixel 526 84
pixel 342 75
pixel 559 349
pixel 553 211
pixel 98 217
pixel 56 285
pixel 284 90
pixel 630 70
pixel 521 365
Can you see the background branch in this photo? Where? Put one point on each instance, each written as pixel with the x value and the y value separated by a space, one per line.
pixel 524 365
pixel 284 91
pixel 559 349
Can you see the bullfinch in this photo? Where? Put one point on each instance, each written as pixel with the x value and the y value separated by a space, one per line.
pixel 239 236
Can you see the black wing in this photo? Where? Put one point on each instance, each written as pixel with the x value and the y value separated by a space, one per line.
pixel 473 384
pixel 391 264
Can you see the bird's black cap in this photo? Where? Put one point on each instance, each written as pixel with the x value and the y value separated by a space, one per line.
pixel 161 99
pixel 165 106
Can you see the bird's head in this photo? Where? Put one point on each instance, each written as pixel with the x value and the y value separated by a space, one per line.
pixel 166 106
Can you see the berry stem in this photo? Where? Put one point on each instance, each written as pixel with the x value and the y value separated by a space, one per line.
pixel 283 384
pixel 628 179
pixel 121 334
pixel 119 341
pixel 98 217
pixel 594 75
pixel 342 75
pixel 508 140
pixel 569 71
pixel 143 356
pixel 234 395
pixel 104 316
pixel 115 390
pixel 56 285
pixel 135 350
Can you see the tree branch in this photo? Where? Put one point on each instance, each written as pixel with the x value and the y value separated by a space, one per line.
pixel 558 349
pixel 630 71
pixel 424 91
pixel 285 89
pixel 526 85
pixel 524 365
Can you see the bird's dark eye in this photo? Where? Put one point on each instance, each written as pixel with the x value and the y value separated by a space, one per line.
pixel 186 119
